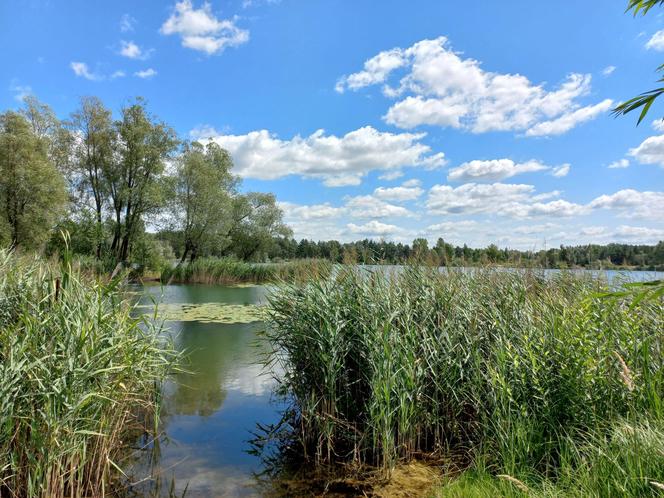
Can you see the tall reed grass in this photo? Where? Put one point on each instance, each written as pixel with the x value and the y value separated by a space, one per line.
pixel 78 375
pixel 228 271
pixel 540 380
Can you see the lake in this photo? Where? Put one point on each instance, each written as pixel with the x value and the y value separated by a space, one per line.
pixel 209 412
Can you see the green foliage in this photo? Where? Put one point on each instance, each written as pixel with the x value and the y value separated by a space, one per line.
pixel 201 202
pixel 78 375
pixel 32 191
pixel 444 254
pixel 511 373
pixel 645 100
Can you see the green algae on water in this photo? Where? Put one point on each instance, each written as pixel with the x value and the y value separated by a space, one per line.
pixel 209 312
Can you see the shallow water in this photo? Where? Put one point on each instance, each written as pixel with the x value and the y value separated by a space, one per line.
pixel 209 412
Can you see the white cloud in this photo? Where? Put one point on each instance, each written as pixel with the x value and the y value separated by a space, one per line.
pixel 408 191
pixel 204 132
pixel 512 200
pixel 443 88
pixel 373 229
pixel 338 161
pixel 453 227
pixel 650 151
pixel 376 70
pixel 311 212
pixel 391 175
pixel 568 121
pixel 492 170
pixel 658 124
pixel 608 70
pixel 560 171
pixel 644 234
pixel 82 70
pixel 132 51
pixel 254 3
pixel 146 73
pixel 535 229
pixel 620 163
pixel 632 203
pixel 20 91
pixel 201 30
pixel 367 206
pixel 656 41
pixel 127 23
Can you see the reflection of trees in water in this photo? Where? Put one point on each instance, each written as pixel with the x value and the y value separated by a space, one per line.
pixel 213 351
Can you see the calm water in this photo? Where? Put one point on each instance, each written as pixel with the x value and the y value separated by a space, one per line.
pixel 209 412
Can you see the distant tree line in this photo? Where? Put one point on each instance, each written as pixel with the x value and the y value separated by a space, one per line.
pixel 444 254
pixel 113 182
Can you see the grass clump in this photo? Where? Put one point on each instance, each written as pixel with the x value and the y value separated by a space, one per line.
pixel 546 382
pixel 78 377
pixel 229 271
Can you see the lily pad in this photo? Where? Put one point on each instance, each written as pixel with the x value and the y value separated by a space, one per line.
pixel 209 312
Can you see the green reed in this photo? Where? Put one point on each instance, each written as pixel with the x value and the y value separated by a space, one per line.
pixel 79 379
pixel 506 372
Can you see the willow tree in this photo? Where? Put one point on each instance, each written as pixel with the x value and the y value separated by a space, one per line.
pixel 94 159
pixel 135 184
pixel 202 199
pixel 32 190
pixel 256 221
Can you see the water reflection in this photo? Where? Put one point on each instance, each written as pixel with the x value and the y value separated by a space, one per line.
pixel 210 411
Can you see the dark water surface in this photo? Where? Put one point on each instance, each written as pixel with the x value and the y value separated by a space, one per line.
pixel 209 413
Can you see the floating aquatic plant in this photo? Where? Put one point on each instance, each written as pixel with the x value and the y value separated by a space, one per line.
pixel 208 312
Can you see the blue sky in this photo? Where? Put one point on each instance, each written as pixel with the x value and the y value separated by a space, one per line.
pixel 481 122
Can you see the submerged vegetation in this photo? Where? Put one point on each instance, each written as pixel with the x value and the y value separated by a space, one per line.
pixel 78 376
pixel 554 385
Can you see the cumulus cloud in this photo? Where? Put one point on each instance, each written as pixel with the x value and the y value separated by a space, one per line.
pixel 338 161
pixel 132 51
pixel 443 88
pixel 656 41
pixel 658 124
pixel 310 212
pixel 620 163
pixel 391 175
pixel 569 120
pixel 368 206
pixel 408 191
pixel 82 70
pixel 146 73
pixel 513 200
pixel 373 229
pixel 201 30
pixel 492 170
pixel 650 151
pixel 632 203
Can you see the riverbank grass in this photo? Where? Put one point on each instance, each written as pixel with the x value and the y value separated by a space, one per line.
pixel 528 384
pixel 78 379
